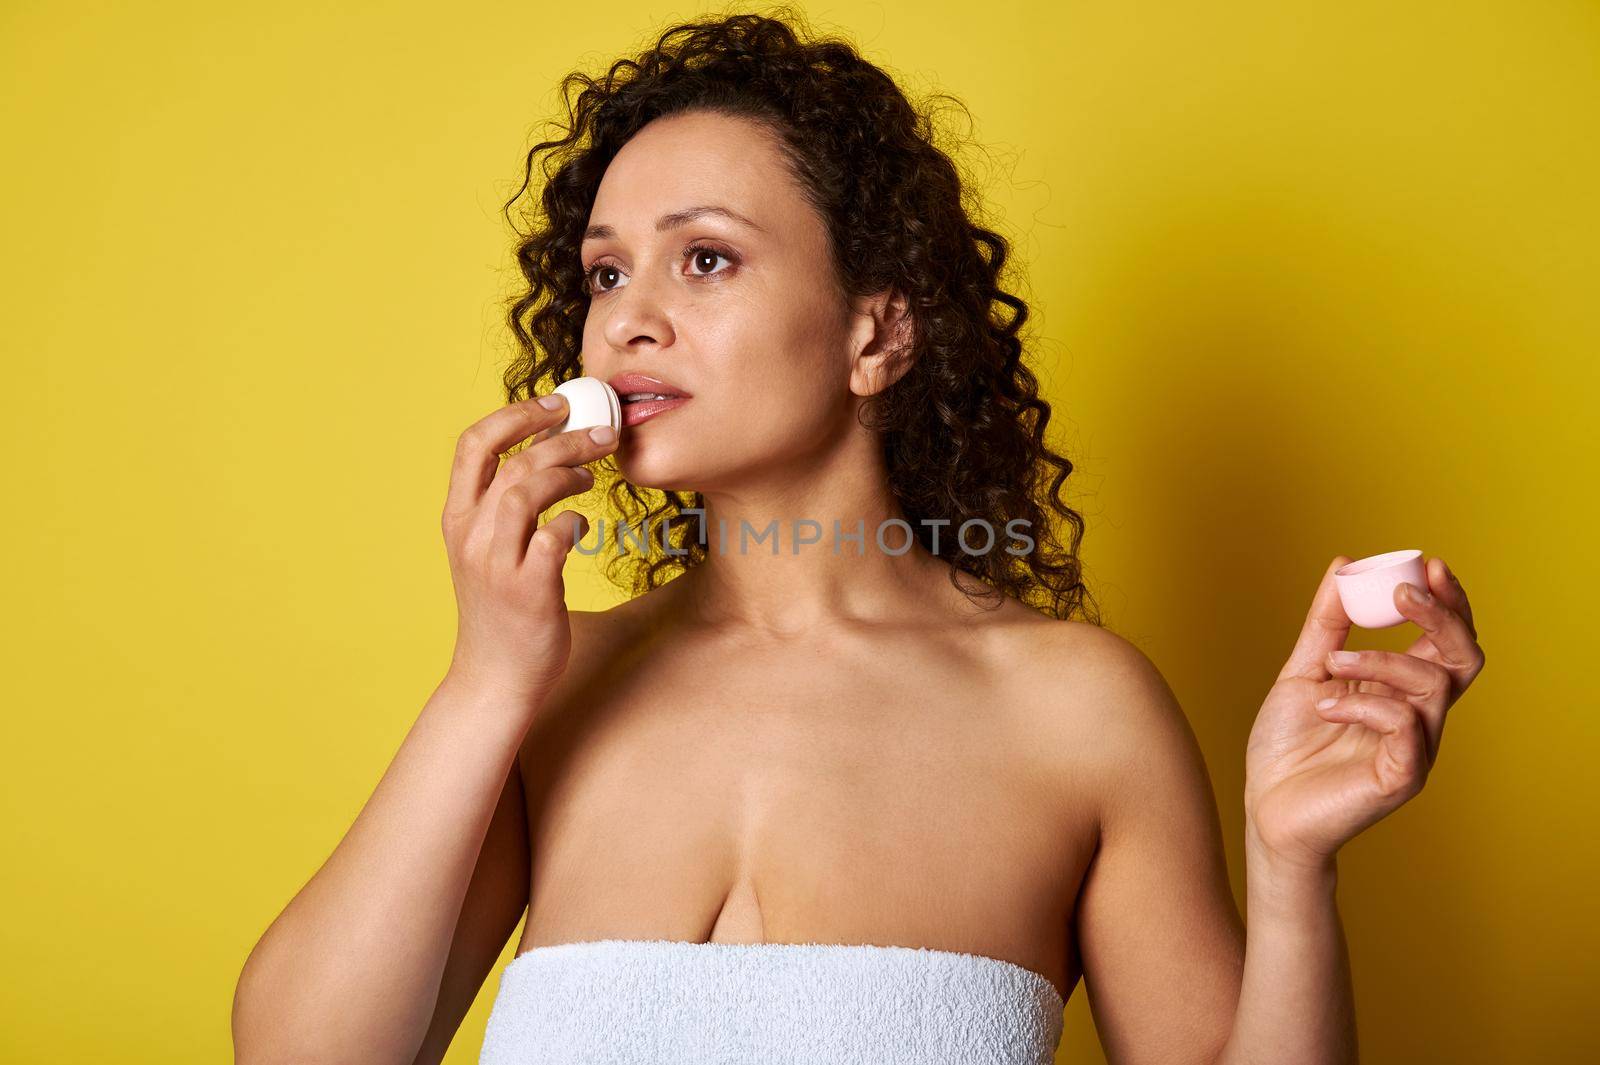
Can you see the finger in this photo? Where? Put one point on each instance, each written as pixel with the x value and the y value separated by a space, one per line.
pixel 1446 630
pixel 517 513
pixel 481 444
pixel 1425 685
pixel 567 451
pixel 553 540
pixel 573 448
pixel 1325 629
pixel 1403 757
pixel 1449 591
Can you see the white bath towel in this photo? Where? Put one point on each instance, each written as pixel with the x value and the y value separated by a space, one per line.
pixel 666 1002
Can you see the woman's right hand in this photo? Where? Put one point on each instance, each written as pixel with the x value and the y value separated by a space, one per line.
pixel 512 629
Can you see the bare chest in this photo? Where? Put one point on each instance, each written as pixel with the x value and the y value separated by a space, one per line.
pixel 827 795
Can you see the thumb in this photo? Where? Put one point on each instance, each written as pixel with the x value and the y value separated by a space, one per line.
pixel 1325 629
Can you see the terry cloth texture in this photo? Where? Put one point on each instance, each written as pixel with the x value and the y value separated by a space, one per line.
pixel 665 1002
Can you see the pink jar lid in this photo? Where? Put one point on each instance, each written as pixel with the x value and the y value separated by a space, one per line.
pixel 1366 586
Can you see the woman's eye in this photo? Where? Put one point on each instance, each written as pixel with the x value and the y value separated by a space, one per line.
pixel 594 273
pixel 699 253
pixel 698 256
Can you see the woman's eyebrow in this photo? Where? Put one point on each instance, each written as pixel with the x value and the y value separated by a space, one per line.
pixel 675 219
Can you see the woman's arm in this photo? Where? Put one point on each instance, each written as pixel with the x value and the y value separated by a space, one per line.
pixel 496 899
pixel 1172 975
pixel 1296 1003
pixel 1159 933
pixel 374 957
pixel 1343 739
pixel 351 971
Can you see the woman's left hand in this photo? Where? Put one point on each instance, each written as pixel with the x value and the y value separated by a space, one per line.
pixel 1316 776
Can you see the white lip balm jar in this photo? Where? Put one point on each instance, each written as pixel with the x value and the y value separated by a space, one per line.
pixel 590 402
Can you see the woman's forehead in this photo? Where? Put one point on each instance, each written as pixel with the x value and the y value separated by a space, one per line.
pixel 673 166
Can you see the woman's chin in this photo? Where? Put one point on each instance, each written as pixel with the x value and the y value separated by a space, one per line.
pixel 650 472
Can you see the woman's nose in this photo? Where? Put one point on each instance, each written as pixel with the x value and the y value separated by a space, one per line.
pixel 638 312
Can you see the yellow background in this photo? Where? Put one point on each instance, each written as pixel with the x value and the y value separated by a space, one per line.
pixel 1306 279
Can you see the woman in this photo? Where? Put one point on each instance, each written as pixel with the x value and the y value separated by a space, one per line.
pixel 863 791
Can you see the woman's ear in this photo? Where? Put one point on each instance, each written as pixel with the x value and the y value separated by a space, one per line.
pixel 880 345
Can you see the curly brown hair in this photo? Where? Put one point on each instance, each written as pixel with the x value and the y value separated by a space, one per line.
pixel 963 429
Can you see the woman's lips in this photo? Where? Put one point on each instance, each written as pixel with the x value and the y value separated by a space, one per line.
pixel 636 412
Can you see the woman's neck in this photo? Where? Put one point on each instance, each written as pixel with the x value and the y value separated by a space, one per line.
pixel 789 560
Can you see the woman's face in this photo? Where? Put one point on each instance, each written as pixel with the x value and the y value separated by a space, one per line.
pixel 738 311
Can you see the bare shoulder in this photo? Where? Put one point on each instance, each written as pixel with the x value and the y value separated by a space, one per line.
pixel 1100 669
pixel 599 634
pixel 1154 922
pixel 600 639
pixel 1105 708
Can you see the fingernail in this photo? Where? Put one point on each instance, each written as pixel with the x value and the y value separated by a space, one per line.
pixel 602 434
pixel 1417 595
pixel 1447 572
pixel 1345 658
pixel 1323 704
pixel 550 402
